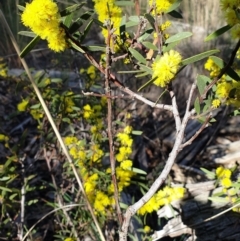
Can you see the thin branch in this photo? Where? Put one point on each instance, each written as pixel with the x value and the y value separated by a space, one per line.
pixel 175 111
pixel 203 126
pixel 109 124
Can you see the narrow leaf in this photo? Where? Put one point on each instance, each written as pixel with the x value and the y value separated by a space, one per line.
pixel 202 81
pixel 178 37
pixel 145 35
pixel 68 20
pixel 75 26
pixel 76 47
pixel 71 9
pixel 175 5
pixel 131 24
pixel 136 170
pixel 197 106
pixel 170 46
pixel 96 48
pixel 149 45
pixel 137 55
pixel 29 47
pixel 150 19
pixel 217 33
pixel 87 15
pixel 146 69
pixel 198 57
pixel 21 8
pixel 86 30
pixel 141 75
pixel 124 3
pixel 175 14
pixel 27 33
pixel 137 133
pixel 5 189
pixel 147 84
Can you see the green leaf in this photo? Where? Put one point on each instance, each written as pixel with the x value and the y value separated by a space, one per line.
pixel 87 15
pixel 217 33
pixel 141 75
pixel 68 20
pixel 198 57
pixel 29 47
pixel 221 64
pixel 21 8
pixel 146 69
pixel 137 55
pixel 145 34
pixel 150 19
pixel 71 9
pixel 123 205
pixel 134 18
pixel 2 179
pixel 130 24
pixel 96 48
pixel 27 33
pixel 75 26
pixel 170 46
pixel 209 174
pixel 147 84
pixel 175 14
pixel 124 3
pixel 139 171
pixel 149 45
pixel 197 106
pixel 129 71
pixel 86 30
pixel 178 37
pixel 137 133
pixel 202 81
pixel 11 197
pixel 76 47
pixel 175 5
pixel 56 80
pixel 218 199
pixel 5 189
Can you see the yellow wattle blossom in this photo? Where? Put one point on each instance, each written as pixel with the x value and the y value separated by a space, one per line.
pixel 147 229
pixel 101 202
pixel 165 25
pixel 230 8
pixel 43 18
pixel 126 164
pixel 229 92
pixel 212 68
pixel 161 5
pixel 3 68
pixel 108 11
pixel 149 206
pixel 4 138
pixel 22 106
pixel 161 198
pixel 226 182
pixel 36 114
pixel 222 172
pixel 165 68
pixel 216 103
pixel 69 140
